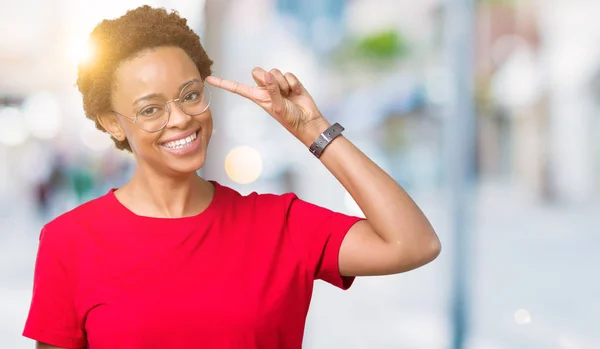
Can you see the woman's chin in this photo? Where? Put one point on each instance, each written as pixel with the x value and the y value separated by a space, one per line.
pixel 189 166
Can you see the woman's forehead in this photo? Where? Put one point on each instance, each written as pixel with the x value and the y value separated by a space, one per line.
pixel 158 71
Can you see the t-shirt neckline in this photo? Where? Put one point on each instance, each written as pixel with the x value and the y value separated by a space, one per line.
pixel 207 212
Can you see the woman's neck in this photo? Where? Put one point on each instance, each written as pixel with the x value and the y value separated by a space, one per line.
pixel 155 195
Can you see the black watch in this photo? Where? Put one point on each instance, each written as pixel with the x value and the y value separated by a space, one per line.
pixel 325 139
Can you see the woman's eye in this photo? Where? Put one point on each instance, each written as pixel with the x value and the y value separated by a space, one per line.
pixel 192 96
pixel 150 111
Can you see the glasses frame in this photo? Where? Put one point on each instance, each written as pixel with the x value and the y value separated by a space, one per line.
pixel 136 120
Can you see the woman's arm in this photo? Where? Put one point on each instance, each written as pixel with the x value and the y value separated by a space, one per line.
pixel 396 236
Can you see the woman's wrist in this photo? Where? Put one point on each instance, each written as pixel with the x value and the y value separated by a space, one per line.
pixel 312 130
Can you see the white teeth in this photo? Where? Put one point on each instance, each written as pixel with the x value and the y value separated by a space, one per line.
pixel 180 143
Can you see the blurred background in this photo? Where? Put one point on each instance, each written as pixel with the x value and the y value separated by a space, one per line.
pixel 486 112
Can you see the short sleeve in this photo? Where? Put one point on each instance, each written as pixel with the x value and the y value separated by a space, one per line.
pixel 319 232
pixel 52 318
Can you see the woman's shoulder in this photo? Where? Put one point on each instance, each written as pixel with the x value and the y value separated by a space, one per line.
pixel 78 216
pixel 254 197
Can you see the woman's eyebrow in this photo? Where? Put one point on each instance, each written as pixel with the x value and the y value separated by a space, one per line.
pixel 147 97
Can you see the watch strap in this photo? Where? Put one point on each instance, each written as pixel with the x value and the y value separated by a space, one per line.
pixel 325 139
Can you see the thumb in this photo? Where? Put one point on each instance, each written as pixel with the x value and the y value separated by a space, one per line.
pixel 274 92
pixel 258 74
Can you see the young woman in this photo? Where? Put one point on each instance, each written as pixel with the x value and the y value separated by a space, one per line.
pixel 172 260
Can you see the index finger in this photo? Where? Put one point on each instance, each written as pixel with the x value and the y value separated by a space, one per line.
pixel 231 86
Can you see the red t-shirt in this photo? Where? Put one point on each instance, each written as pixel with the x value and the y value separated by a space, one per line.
pixel 238 275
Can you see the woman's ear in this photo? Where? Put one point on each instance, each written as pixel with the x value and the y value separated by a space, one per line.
pixel 111 124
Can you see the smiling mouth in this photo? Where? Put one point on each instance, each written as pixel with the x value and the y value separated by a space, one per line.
pixel 182 143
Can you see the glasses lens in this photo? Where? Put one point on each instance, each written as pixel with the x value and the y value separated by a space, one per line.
pixel 194 99
pixel 153 118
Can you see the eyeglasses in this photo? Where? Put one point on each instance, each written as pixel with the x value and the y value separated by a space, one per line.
pixel 193 100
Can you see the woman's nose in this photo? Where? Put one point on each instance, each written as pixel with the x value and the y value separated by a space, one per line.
pixel 178 118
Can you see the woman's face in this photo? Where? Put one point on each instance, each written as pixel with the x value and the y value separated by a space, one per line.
pixel 142 86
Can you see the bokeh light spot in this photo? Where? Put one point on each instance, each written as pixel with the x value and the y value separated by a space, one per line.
pixel 243 164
